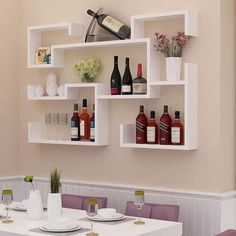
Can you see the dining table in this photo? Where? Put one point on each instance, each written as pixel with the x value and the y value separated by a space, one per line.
pixel 23 226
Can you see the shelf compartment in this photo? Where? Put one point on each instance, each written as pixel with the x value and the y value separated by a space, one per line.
pixel 190 22
pixel 127 140
pixel 35 136
pixel 34 36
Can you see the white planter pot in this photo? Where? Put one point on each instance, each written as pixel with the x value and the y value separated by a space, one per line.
pixel 35 205
pixel 54 206
pixel 173 68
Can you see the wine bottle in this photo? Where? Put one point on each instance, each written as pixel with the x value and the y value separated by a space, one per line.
pixel 75 124
pixel 92 126
pixel 139 83
pixel 141 127
pixel 84 123
pixel 115 79
pixel 111 24
pixel 177 131
pixel 127 79
pixel 152 129
pixel 165 127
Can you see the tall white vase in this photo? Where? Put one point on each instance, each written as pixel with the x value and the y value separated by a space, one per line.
pixel 35 205
pixel 173 68
pixel 54 206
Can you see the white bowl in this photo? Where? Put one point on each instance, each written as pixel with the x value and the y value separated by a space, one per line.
pixel 107 212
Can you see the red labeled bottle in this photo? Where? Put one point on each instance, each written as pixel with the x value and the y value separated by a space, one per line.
pixel 141 127
pixel 165 127
pixel 152 129
pixel 84 123
pixel 177 131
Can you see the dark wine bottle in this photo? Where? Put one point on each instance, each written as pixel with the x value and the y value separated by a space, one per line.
pixel 165 127
pixel 141 127
pixel 127 79
pixel 75 124
pixel 92 126
pixel 111 24
pixel 115 78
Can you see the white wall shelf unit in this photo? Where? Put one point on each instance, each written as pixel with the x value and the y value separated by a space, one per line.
pixel 35 129
pixel 34 38
pixel 127 131
pixel 190 22
pixel 101 91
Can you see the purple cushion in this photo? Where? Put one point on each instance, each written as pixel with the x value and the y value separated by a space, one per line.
pixel 229 232
pixel 72 201
pixel 164 212
pixel 80 202
pixel 132 210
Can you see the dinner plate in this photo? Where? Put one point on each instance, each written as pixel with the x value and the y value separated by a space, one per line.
pixel 69 228
pixel 116 217
pixel 21 207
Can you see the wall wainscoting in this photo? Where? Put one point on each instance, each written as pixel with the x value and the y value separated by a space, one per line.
pixel 202 214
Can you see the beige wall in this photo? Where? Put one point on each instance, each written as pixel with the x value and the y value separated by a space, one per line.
pixel 9 89
pixel 204 169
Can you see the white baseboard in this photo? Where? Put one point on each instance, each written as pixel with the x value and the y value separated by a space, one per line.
pixel 202 214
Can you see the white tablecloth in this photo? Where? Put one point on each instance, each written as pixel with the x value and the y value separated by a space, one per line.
pixel 22 225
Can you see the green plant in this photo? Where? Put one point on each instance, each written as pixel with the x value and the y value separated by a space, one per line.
pixel 29 179
pixel 55 177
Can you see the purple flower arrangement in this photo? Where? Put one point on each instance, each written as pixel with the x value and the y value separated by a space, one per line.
pixel 171 46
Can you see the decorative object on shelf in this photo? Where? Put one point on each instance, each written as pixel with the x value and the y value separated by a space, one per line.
pixel 39 91
pixel 54 198
pixel 87 69
pixel 51 81
pixel 109 23
pixel 43 55
pixel 61 90
pixel 35 205
pixel 172 48
pixel 177 130
pixel 31 90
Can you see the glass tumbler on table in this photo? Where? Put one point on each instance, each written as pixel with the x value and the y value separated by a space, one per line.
pixel 7 198
pixel 139 202
pixel 92 211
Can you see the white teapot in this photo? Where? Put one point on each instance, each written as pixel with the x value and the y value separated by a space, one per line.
pixel 51 88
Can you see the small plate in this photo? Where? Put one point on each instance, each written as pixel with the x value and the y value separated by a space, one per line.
pixel 116 217
pixel 70 228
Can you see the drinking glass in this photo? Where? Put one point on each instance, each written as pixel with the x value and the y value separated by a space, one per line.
pixel 92 211
pixel 56 125
pixel 64 124
pixel 7 198
pixel 139 202
pixel 48 123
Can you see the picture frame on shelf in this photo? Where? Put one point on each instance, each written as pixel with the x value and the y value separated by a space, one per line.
pixel 43 55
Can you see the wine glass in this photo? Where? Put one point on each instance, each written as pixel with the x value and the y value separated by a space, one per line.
pixel 7 198
pixel 64 124
pixel 92 211
pixel 139 202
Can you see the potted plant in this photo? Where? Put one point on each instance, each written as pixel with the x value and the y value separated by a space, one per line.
pixel 172 48
pixel 35 205
pixel 54 198
pixel 87 69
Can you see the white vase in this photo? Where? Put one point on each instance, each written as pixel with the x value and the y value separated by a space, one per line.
pixel 54 206
pixel 51 87
pixel 173 68
pixel 35 205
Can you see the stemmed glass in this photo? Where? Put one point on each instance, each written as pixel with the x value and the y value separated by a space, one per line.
pixel 48 123
pixel 139 202
pixel 7 198
pixel 92 211
pixel 64 124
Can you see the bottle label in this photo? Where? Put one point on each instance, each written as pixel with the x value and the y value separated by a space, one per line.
pixel 140 126
pixel 151 134
pixel 115 91
pixel 175 135
pixel 164 127
pixel 112 23
pixel 126 88
pixel 82 128
pixel 74 132
pixel 92 133
pixel 140 88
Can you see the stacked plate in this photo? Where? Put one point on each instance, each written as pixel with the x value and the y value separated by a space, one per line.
pixel 21 206
pixel 60 229
pixel 108 214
